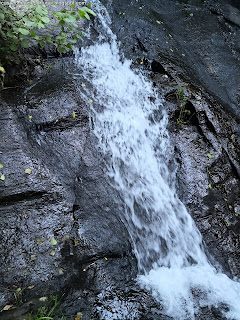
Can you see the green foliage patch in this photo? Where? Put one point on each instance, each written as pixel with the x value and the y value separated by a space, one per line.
pixel 35 24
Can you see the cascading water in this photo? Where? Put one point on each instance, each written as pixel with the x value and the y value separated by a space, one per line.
pixel 132 134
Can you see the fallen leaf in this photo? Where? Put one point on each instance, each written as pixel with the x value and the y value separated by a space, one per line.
pixel 50 117
pixel 52 253
pixel 7 307
pixel 82 84
pixel 39 241
pixel 30 287
pixel 74 115
pixel 33 257
pixel 210 155
pixel 75 243
pixel 2 177
pixel 43 299
pixel 28 171
pixel 78 316
pixel 1 165
pixel 105 258
pixel 191 14
pixel 53 241
pixel 91 100
pixel 30 117
pixel 60 271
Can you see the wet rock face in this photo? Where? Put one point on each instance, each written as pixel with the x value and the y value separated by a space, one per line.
pixel 200 37
pixel 194 46
pixel 64 196
pixel 67 196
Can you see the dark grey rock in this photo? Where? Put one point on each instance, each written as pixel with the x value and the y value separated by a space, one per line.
pixel 67 195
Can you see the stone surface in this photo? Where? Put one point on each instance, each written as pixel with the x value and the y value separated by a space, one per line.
pixel 46 128
pixel 199 39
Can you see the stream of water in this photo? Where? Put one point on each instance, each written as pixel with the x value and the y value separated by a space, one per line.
pixel 130 123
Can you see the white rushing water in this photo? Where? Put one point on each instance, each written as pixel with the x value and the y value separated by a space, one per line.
pixel 132 134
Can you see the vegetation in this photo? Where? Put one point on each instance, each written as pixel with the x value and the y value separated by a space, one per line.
pixel 50 311
pixel 182 100
pixel 35 24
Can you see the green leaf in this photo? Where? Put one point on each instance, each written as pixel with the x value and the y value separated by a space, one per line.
pixel 34 35
pixel 2 177
pixel 41 43
pixel 60 49
pixel 1 165
pixel 53 241
pixel 28 171
pixel 70 18
pixel 39 9
pixel 40 25
pixel 13 47
pixel 10 34
pixel 62 22
pixel 45 19
pixel 26 19
pixel 210 155
pixel 91 12
pixel 78 36
pixel 23 31
pixel 24 44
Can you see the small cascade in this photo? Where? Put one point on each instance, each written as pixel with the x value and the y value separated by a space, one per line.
pixel 130 123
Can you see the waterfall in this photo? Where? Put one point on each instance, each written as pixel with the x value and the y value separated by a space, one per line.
pixel 130 123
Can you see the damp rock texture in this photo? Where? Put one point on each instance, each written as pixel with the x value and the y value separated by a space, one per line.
pixel 60 220
pixel 61 226
pixel 191 51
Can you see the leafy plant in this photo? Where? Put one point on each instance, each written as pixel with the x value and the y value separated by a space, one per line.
pixel 35 24
pixel 18 295
pixel 210 155
pixel 182 100
pixel 47 312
